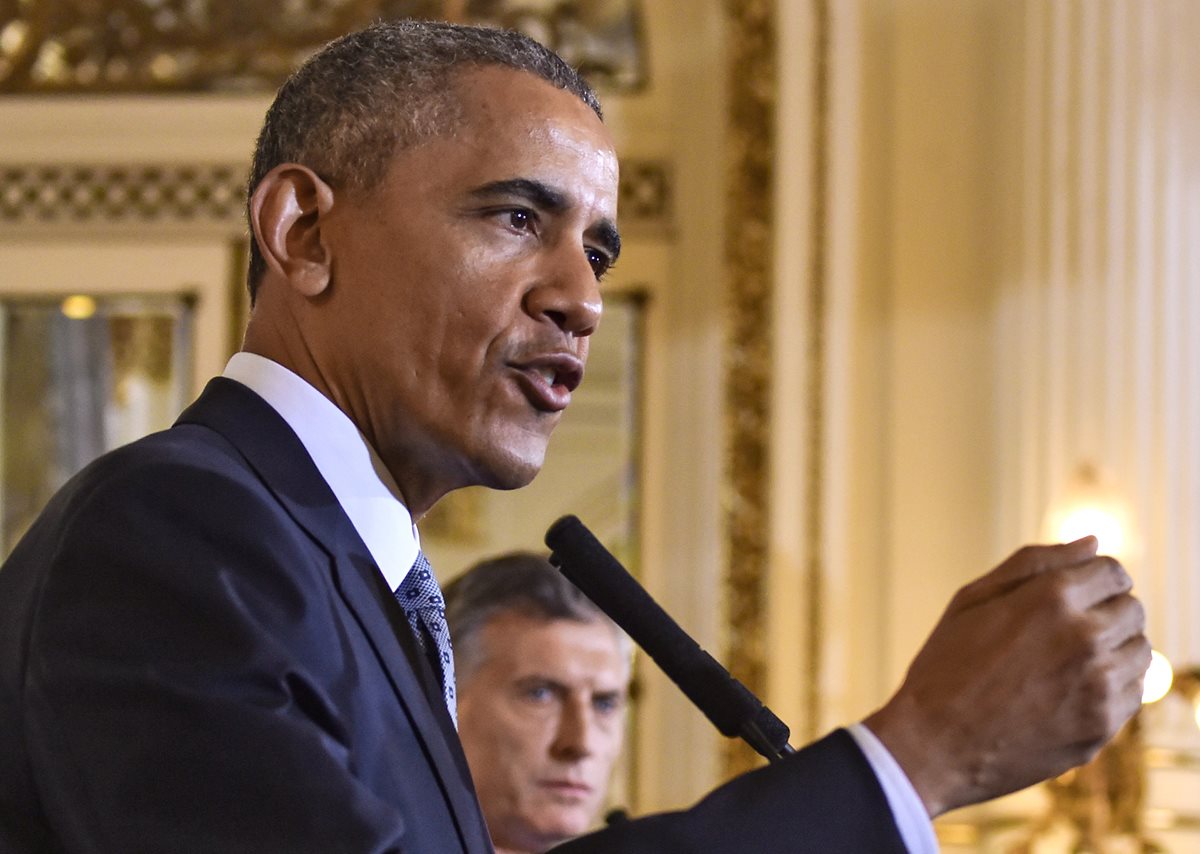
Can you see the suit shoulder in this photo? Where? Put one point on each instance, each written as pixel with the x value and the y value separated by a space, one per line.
pixel 176 499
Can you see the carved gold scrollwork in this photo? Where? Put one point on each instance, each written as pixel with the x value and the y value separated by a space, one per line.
pixel 232 45
pixel 753 88
pixel 748 257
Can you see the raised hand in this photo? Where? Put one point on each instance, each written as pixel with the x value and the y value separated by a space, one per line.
pixel 1031 669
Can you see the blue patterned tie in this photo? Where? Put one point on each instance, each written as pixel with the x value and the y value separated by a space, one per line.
pixel 421 599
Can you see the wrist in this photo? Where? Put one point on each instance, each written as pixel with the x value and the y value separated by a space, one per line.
pixel 912 742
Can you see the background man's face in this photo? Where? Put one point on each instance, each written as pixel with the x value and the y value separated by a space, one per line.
pixel 542 723
pixel 465 286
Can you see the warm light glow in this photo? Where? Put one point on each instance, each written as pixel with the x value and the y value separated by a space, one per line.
pixel 1103 525
pixel 1089 503
pixel 1196 708
pixel 1159 677
pixel 78 307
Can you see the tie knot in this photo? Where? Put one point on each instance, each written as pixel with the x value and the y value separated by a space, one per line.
pixel 420 589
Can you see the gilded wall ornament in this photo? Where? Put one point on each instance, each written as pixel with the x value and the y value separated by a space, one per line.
pixel 46 196
pixel 227 45
pixel 751 63
pixel 749 252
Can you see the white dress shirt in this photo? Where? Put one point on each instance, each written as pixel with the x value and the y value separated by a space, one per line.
pixel 370 497
pixel 350 466
pixel 907 809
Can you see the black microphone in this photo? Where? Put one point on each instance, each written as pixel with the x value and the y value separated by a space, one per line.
pixel 729 704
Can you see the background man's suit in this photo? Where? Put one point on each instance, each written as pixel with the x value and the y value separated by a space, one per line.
pixel 197 653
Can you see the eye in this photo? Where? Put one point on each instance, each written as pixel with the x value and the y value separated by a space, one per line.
pixel 606 704
pixel 538 693
pixel 599 261
pixel 520 219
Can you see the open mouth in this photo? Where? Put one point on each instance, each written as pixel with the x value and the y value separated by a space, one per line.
pixel 547 381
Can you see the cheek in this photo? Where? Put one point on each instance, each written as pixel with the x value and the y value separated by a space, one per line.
pixel 517 744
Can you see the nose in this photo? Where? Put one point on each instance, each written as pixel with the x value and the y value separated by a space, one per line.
pixel 574 735
pixel 567 293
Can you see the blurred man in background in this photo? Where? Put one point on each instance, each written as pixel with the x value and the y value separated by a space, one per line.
pixel 543 678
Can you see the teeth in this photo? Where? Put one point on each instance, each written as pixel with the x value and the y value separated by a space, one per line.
pixel 546 374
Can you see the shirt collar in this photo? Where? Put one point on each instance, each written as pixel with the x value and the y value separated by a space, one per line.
pixel 354 472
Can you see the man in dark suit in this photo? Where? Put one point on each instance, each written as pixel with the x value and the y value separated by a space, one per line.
pixel 224 638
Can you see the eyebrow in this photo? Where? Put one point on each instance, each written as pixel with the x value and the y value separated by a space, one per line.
pixel 546 197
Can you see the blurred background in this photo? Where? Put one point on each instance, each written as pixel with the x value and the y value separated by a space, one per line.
pixel 907 283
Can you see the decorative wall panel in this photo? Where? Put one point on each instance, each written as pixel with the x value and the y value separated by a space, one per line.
pixel 1098 357
pixel 748 252
pixel 227 45
pixel 44 196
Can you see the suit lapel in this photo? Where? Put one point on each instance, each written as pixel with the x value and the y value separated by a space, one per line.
pixel 272 449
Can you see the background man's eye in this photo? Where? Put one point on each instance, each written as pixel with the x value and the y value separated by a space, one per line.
pixel 538 693
pixel 606 704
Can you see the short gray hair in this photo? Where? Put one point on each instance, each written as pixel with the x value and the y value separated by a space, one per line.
pixel 351 106
pixel 518 582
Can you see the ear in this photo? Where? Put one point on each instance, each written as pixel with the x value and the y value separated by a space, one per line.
pixel 287 211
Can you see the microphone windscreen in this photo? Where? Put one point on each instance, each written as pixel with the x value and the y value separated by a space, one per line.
pixel 594 570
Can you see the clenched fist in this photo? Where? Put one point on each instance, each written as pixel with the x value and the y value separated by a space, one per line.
pixel 1031 669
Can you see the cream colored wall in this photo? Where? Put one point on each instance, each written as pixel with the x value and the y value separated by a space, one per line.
pixel 907 493
pixel 1010 274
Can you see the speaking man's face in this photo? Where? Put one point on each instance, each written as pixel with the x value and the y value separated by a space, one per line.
pixel 542 722
pixel 464 288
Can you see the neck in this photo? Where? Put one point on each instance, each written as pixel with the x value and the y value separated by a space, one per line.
pixel 275 334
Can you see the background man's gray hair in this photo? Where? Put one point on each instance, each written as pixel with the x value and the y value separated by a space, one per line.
pixel 348 109
pixel 521 582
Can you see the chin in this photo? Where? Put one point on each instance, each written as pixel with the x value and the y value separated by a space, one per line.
pixel 511 468
pixel 550 834
pixel 566 820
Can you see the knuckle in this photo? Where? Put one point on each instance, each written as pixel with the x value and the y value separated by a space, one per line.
pixel 1087 647
pixel 1028 555
pixel 1057 596
pixel 1142 652
pixel 1139 616
pixel 963 596
pixel 1104 707
pixel 1113 567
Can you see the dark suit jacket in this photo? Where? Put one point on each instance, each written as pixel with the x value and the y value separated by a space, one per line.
pixel 197 653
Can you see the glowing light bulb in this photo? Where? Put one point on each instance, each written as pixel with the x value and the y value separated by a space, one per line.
pixel 1159 677
pixel 78 307
pixel 1101 523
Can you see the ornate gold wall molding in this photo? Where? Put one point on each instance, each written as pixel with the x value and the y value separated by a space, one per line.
pixel 231 45
pixel 749 244
pixel 50 195
pixel 814 474
pixel 46 196
pixel 749 235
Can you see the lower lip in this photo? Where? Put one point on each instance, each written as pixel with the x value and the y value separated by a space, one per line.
pixel 571 789
pixel 548 398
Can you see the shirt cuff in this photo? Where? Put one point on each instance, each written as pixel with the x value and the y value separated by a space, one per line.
pixel 907 809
